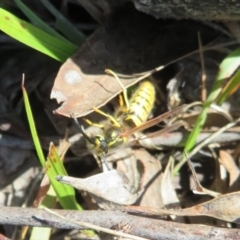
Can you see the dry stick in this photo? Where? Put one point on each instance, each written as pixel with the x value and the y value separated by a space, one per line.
pixel 204 77
pixel 178 139
pixel 139 226
pixel 97 228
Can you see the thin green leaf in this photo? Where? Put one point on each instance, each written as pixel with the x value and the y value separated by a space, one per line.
pixel 38 22
pixel 64 26
pixel 65 193
pixel 54 166
pixel 228 69
pixel 231 87
pixel 203 116
pixel 32 127
pixel 214 94
pixel 229 65
pixel 197 129
pixel 34 37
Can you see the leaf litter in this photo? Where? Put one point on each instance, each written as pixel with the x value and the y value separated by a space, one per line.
pixel 146 176
pixel 217 208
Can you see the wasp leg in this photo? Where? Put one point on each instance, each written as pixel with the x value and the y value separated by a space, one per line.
pixel 121 101
pixel 123 88
pixel 89 122
pixel 111 118
pixel 125 98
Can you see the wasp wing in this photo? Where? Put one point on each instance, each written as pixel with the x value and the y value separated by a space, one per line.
pixel 152 122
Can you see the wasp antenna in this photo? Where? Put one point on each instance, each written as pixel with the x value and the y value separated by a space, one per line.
pixel 81 129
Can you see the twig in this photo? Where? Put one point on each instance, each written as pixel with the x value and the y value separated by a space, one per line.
pixel 97 228
pixel 139 226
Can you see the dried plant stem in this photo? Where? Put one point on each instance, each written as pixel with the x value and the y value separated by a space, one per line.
pixel 138 226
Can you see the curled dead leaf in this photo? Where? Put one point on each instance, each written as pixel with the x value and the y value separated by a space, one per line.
pixel 108 188
pixel 81 82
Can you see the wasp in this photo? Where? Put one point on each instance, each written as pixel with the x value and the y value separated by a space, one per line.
pixel 129 117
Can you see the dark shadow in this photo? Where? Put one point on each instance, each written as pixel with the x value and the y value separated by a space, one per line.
pixel 132 42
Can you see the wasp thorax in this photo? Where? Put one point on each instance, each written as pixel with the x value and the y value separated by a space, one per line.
pixel 112 137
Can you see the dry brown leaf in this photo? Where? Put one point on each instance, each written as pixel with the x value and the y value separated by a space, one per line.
pixel 129 42
pixel 198 187
pixel 81 92
pixel 168 192
pixel 225 207
pixel 127 163
pixel 151 179
pixel 234 173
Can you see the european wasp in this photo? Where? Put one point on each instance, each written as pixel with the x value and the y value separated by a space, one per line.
pixel 130 117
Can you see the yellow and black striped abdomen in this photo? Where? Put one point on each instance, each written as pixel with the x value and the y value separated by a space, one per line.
pixel 141 104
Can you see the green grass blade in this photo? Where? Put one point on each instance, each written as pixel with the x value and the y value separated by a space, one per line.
pixel 34 37
pixel 197 129
pixel 227 69
pixel 65 193
pixel 46 232
pixel 231 87
pixel 37 21
pixel 229 65
pixel 32 127
pixel 64 26
pixel 216 89
pixel 54 166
